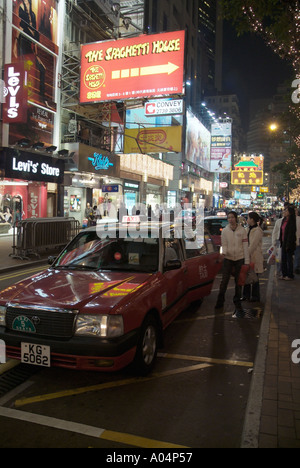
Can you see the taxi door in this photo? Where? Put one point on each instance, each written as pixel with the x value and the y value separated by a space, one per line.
pixel 174 285
pixel 202 262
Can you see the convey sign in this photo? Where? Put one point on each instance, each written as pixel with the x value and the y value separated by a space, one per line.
pixel 143 66
pixel 169 107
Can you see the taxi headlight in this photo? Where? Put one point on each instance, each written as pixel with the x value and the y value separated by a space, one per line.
pixel 102 326
pixel 2 316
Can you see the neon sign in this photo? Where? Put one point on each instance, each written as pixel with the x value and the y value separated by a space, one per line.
pixel 100 162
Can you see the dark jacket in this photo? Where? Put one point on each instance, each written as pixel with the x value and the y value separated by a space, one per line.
pixel 289 241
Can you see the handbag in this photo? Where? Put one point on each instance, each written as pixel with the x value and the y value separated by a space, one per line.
pixel 251 277
pixel 245 275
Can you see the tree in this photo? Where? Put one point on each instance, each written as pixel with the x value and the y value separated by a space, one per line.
pixel 288 128
pixel 276 21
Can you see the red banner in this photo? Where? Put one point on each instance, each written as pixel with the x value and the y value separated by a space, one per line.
pixel 143 66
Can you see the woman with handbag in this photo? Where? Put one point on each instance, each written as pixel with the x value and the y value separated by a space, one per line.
pixel 255 235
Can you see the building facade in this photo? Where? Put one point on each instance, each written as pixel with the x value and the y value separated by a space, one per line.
pixel 85 141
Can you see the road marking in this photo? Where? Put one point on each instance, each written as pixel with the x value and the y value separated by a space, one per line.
pixel 137 441
pixel 203 317
pixel 231 362
pixel 104 386
pixel 85 430
pixel 10 364
pixel 22 272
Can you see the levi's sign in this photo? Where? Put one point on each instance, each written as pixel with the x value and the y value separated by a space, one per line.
pixel 27 166
pixel 143 66
pixel 15 93
pixel 30 167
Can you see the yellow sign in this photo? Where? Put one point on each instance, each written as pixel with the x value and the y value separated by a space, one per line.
pixel 153 140
pixel 247 177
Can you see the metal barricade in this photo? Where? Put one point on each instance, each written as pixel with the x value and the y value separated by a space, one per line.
pixel 37 235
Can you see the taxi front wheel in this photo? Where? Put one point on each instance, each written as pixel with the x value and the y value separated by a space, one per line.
pixel 147 346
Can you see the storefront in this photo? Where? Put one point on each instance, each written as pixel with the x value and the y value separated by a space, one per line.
pixel 26 177
pixel 145 180
pixel 131 194
pixel 91 176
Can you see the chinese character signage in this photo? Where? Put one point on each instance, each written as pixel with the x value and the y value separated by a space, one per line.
pixel 153 140
pixel 248 171
pixel 143 66
pixel 220 153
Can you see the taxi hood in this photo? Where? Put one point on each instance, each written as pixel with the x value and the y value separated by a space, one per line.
pixel 89 292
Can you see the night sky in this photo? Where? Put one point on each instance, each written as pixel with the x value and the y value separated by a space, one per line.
pixel 251 69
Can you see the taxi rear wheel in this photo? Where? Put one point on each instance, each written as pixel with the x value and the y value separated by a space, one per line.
pixel 147 346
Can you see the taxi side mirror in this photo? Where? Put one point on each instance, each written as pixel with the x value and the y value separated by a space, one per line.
pixel 172 265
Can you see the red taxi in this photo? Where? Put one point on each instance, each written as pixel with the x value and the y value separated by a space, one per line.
pixel 107 298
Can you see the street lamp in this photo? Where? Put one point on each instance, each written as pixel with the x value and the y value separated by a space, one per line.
pixel 273 127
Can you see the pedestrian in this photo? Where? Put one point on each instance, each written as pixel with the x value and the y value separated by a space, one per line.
pixel 89 214
pixel 234 241
pixel 88 210
pixel 97 214
pixel 297 252
pixel 288 243
pixel 276 241
pixel 255 236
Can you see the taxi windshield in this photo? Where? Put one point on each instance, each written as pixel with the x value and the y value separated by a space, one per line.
pixel 89 252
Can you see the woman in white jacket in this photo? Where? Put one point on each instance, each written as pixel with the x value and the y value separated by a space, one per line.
pixel 255 236
pixel 235 253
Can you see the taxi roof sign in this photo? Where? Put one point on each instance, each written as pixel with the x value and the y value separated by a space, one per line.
pixel 131 219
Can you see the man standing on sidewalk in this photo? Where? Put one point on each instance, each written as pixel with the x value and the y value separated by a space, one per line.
pixel 235 250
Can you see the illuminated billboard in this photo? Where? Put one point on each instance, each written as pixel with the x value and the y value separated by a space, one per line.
pixel 248 171
pixel 153 140
pixel 220 153
pixel 143 66
pixel 197 147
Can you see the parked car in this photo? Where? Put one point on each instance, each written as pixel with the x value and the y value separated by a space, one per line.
pixel 216 224
pixel 105 301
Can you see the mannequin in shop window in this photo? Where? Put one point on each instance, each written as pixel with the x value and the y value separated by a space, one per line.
pixel 8 215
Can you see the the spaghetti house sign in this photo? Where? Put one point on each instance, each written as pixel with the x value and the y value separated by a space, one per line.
pixel 143 66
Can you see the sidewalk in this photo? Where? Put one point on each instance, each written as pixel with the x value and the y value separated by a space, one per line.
pixel 272 417
pixel 273 411
pixel 8 263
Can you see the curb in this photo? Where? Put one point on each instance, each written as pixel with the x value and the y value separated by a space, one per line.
pixel 250 434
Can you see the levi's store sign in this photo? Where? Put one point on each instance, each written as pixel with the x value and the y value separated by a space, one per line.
pixel 28 166
pixel 15 93
pixel 143 66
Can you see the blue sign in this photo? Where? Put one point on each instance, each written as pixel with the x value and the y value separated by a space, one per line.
pixel 110 188
pixel 100 162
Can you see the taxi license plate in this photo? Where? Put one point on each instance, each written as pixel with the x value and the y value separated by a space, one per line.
pixel 38 355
